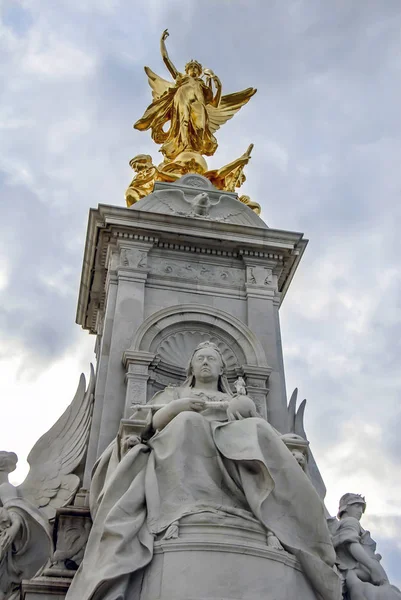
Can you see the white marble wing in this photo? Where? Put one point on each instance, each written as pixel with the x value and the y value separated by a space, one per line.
pixel 296 425
pixel 174 200
pixel 296 417
pixel 51 482
pixel 226 208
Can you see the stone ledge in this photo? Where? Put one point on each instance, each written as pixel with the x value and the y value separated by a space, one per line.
pixel 42 587
pixel 228 547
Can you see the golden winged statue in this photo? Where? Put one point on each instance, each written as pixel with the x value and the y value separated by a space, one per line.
pixel 194 109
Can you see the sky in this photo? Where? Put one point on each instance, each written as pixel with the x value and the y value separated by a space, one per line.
pixel 327 132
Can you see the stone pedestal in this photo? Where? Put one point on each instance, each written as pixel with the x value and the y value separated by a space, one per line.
pixel 157 280
pixel 222 561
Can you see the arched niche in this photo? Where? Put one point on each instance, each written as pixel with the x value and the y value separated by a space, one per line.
pixel 162 346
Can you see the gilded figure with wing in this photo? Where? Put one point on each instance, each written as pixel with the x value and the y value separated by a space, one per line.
pixel 194 109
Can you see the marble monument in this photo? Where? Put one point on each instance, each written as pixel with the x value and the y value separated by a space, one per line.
pixel 181 471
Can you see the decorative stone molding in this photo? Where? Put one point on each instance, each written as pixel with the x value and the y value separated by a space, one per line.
pixel 134 236
pixel 187 270
pixel 71 531
pixel 258 254
pixel 195 181
pixel 197 249
pixel 256 379
pixel 132 259
pixel 259 276
pixel 227 553
pixel 137 375
pixel 41 587
pixel 109 225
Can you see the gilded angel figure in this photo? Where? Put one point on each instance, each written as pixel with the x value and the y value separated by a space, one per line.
pixel 194 109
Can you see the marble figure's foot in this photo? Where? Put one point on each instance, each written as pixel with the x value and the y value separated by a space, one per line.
pixel 172 532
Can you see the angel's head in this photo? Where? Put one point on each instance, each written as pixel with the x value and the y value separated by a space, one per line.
pixel 141 162
pixel 5 520
pixel 8 461
pixel 193 68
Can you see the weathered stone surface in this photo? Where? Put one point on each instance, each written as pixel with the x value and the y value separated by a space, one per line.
pixel 140 262
pixel 197 471
pixel 45 588
pixel 215 558
pixel 71 531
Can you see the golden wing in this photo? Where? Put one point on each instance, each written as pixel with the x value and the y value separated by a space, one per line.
pixel 158 84
pixel 229 105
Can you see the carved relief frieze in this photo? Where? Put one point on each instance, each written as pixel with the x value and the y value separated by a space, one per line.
pixel 72 528
pixel 260 276
pixel 196 181
pixel 133 258
pixel 210 274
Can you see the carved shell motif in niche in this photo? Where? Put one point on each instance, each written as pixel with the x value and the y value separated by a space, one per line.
pixel 178 347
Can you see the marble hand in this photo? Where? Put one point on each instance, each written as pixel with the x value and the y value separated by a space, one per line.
pixel 197 404
pixel 377 574
pixel 191 403
pixel 7 537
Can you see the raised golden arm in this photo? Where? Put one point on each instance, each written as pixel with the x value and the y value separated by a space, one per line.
pixel 212 77
pixel 165 56
pixel 217 98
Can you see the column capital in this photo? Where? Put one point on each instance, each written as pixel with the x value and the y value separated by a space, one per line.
pixel 132 358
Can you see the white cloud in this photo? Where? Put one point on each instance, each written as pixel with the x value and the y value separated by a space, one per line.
pixel 4 273
pixel 273 153
pixel 36 400
pixel 49 57
pixel 325 123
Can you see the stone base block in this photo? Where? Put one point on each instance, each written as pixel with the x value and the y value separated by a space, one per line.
pixel 222 561
pixel 45 588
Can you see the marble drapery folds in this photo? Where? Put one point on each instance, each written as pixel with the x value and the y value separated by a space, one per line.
pixel 199 464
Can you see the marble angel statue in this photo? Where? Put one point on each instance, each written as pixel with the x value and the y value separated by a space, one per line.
pixel 206 450
pixel 357 560
pixel 193 108
pixel 27 510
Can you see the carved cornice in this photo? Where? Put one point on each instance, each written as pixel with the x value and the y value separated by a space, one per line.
pixel 110 226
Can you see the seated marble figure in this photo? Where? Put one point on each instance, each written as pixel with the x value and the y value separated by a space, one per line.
pixel 357 560
pixel 208 452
